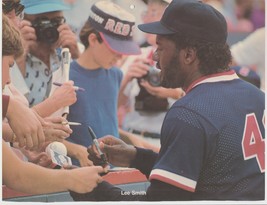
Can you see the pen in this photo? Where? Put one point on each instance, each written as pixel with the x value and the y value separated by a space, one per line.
pixel 116 170
pixel 76 87
pixel 70 123
pixel 102 155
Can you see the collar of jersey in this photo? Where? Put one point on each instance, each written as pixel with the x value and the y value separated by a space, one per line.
pixel 218 77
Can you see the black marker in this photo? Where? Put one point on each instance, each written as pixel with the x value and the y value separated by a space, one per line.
pixel 102 155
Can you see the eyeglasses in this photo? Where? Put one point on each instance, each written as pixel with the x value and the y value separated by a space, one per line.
pixel 9 5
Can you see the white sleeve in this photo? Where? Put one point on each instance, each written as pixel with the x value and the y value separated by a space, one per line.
pixel 18 80
pixel 250 51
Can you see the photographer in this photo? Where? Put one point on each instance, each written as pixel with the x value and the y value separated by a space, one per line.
pixel 45 33
pixel 141 95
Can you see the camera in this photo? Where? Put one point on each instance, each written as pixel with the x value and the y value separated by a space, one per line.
pixel 46 29
pixel 153 76
pixel 144 101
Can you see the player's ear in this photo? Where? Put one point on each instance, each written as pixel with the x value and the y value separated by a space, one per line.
pixel 189 55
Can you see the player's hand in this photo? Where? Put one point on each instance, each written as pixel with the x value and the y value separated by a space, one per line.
pixel 68 39
pixel 117 152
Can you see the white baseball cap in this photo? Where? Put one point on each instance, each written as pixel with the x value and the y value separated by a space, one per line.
pixel 115 26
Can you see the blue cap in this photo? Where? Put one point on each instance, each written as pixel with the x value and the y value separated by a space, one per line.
pixel 43 6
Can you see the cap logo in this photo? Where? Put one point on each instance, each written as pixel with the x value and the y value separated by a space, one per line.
pixel 96 17
pixel 115 26
pixel 111 25
pixel 118 27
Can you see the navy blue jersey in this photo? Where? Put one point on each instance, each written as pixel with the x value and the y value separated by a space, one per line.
pixel 212 140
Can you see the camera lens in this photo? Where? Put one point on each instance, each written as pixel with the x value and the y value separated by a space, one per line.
pixel 46 31
pixel 50 35
pixel 153 77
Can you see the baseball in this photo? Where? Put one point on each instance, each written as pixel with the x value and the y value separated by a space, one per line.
pixel 58 147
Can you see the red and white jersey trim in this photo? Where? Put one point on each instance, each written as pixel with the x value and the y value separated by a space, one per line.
pixel 218 77
pixel 173 179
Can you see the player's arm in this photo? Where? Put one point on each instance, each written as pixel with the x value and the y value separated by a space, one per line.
pixel 144 160
pixel 161 191
pixel 120 154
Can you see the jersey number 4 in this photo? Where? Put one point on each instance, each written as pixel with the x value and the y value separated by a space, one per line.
pixel 253 144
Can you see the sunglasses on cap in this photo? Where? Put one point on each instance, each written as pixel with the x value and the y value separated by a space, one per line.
pixel 9 5
pixel 46 22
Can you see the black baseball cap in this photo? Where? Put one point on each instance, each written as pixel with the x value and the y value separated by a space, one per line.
pixel 191 17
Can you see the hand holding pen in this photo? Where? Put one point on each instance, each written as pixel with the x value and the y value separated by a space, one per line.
pixel 104 160
pixel 63 96
pixel 70 123
pixel 117 152
pixel 76 87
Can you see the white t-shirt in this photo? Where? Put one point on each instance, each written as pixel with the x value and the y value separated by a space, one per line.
pixel 251 52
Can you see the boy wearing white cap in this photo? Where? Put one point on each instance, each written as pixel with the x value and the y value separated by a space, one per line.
pixel 106 35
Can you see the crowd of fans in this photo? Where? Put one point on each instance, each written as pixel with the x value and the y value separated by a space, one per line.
pixel 113 74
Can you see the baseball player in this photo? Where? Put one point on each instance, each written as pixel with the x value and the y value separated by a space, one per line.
pixel 212 140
